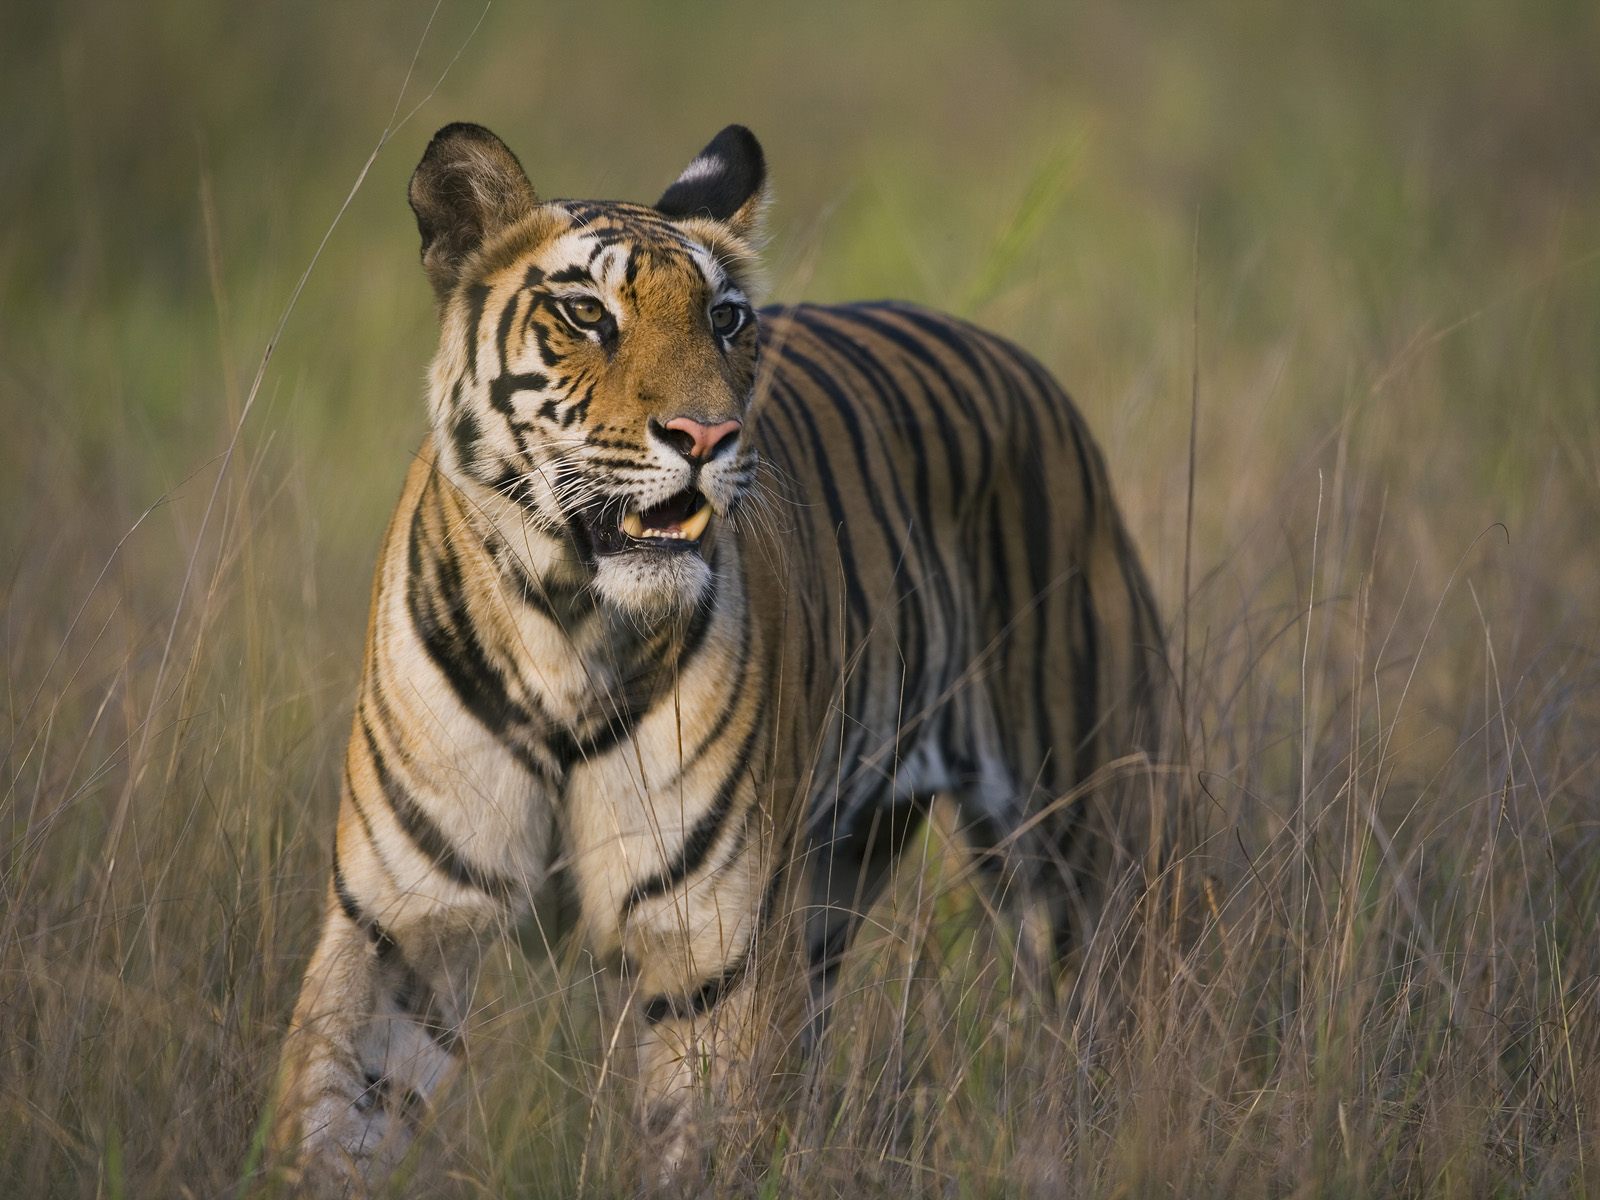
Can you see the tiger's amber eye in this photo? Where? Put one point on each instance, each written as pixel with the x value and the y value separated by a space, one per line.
pixel 725 318
pixel 586 310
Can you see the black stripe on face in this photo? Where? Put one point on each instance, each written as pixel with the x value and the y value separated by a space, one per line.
pixel 464 435
pixel 701 839
pixel 502 332
pixel 573 274
pixel 504 387
pixel 700 1001
pixel 477 297
pixel 578 410
pixel 607 463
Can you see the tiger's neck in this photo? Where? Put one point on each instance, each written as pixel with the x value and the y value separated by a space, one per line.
pixel 529 593
pixel 529 553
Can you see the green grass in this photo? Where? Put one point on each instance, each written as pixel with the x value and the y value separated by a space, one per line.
pixel 1382 972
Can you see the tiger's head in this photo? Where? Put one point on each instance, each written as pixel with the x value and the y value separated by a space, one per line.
pixel 596 358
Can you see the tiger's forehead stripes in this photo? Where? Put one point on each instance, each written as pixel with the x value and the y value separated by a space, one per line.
pixel 636 239
pixel 627 254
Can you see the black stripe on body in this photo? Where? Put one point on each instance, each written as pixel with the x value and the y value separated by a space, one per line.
pixel 915 351
pixel 873 358
pixel 936 331
pixel 905 535
pixel 412 994
pixel 379 936
pixel 1086 687
pixel 641 688
pixel 436 599
pixel 909 351
pixel 730 706
pixel 702 836
pixel 709 993
pixel 837 512
pixel 700 1001
pixel 1003 370
pixel 567 606
pixel 1009 362
pixel 425 835
pixel 997 382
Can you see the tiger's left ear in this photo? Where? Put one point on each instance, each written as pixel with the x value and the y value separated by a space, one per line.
pixel 727 181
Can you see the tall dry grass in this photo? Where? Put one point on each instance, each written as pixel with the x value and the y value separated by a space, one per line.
pixel 1371 968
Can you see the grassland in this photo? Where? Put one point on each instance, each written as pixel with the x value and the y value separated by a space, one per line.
pixel 1369 233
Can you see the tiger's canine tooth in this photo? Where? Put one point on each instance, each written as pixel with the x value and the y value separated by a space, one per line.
pixel 632 525
pixel 696 525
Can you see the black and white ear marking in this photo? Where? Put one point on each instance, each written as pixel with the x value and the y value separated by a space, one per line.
pixel 726 182
pixel 467 188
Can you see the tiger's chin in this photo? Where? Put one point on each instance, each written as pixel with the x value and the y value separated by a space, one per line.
pixel 649 563
pixel 652 585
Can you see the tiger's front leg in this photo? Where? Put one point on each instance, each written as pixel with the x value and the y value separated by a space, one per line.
pixel 373 1036
pixel 697 1047
pixel 685 916
pixel 375 1033
pixel 381 1014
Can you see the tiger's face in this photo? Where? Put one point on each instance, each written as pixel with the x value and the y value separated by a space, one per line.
pixel 597 359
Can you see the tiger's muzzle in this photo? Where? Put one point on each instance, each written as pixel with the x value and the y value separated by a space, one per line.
pixel 674 526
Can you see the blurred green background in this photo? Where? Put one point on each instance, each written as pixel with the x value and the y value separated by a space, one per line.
pixel 1362 177
pixel 1379 223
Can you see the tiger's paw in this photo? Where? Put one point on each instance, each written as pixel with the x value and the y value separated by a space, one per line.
pixel 677 1156
pixel 349 1150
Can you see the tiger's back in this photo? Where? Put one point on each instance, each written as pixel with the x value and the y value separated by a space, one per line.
pixel 956 604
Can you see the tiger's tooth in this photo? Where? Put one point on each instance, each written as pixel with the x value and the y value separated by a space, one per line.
pixel 632 525
pixel 696 525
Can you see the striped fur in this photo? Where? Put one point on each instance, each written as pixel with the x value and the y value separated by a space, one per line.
pixel 914 582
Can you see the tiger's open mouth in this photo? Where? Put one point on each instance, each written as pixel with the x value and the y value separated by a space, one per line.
pixel 676 524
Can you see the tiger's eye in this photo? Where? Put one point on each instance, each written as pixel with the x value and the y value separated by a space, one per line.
pixel 586 310
pixel 725 318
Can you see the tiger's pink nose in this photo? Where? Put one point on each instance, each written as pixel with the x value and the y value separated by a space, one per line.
pixel 696 441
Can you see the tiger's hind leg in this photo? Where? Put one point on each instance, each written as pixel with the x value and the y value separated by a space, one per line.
pixel 851 869
pixel 1017 867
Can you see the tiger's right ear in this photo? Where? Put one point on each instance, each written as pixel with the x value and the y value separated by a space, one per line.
pixel 467 188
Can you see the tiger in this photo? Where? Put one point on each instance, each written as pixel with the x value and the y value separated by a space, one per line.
pixel 690 610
